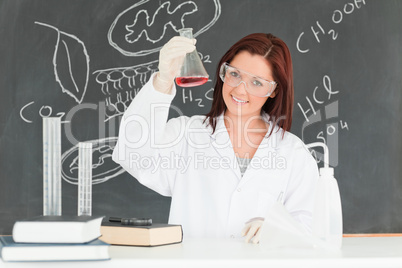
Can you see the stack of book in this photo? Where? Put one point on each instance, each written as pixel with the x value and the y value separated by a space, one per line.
pixel 55 238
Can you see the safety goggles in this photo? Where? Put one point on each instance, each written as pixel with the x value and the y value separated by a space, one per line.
pixel 254 85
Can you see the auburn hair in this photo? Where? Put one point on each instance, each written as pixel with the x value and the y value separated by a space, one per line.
pixel 276 52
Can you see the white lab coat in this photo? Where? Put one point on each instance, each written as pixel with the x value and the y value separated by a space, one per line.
pixel 181 158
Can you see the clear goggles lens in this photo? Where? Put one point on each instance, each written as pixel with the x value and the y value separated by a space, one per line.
pixel 254 85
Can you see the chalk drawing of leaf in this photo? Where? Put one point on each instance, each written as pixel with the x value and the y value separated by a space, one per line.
pixel 71 64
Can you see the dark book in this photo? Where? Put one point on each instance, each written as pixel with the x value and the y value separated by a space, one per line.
pixel 57 229
pixel 154 235
pixel 12 251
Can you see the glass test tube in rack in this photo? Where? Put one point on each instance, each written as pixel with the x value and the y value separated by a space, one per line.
pixel 84 178
pixel 51 166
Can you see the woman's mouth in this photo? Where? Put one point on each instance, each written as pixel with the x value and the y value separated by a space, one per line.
pixel 238 101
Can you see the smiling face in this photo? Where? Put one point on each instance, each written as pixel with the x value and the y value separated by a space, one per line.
pixel 238 101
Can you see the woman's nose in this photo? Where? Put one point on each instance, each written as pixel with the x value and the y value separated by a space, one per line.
pixel 241 88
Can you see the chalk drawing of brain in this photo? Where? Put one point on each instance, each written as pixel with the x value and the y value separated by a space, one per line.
pixel 144 27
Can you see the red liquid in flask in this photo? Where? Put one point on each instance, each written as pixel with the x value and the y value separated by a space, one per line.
pixel 191 81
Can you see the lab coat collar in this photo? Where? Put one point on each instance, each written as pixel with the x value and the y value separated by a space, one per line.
pixel 221 142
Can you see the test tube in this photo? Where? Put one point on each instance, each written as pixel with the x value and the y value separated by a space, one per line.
pixel 51 166
pixel 85 178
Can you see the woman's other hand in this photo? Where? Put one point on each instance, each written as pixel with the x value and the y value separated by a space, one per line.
pixel 252 230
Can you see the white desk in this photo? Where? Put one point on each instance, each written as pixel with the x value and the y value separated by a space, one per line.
pixel 376 252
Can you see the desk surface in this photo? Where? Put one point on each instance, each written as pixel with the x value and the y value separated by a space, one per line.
pixel 356 252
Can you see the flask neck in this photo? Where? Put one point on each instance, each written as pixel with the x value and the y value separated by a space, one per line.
pixel 186 32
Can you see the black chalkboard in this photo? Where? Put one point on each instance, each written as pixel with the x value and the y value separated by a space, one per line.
pixel 84 61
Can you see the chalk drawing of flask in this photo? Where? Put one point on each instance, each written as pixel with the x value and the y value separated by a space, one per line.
pixel 192 72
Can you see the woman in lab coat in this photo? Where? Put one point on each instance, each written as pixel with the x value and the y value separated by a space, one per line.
pixel 225 170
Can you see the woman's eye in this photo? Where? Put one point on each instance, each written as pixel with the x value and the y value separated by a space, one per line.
pixel 234 74
pixel 257 83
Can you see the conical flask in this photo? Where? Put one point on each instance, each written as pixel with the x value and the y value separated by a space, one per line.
pixel 192 72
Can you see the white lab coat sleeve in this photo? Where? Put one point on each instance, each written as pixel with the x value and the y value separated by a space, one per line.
pixel 300 193
pixel 146 141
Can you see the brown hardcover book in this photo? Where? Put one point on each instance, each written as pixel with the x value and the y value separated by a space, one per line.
pixel 155 235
